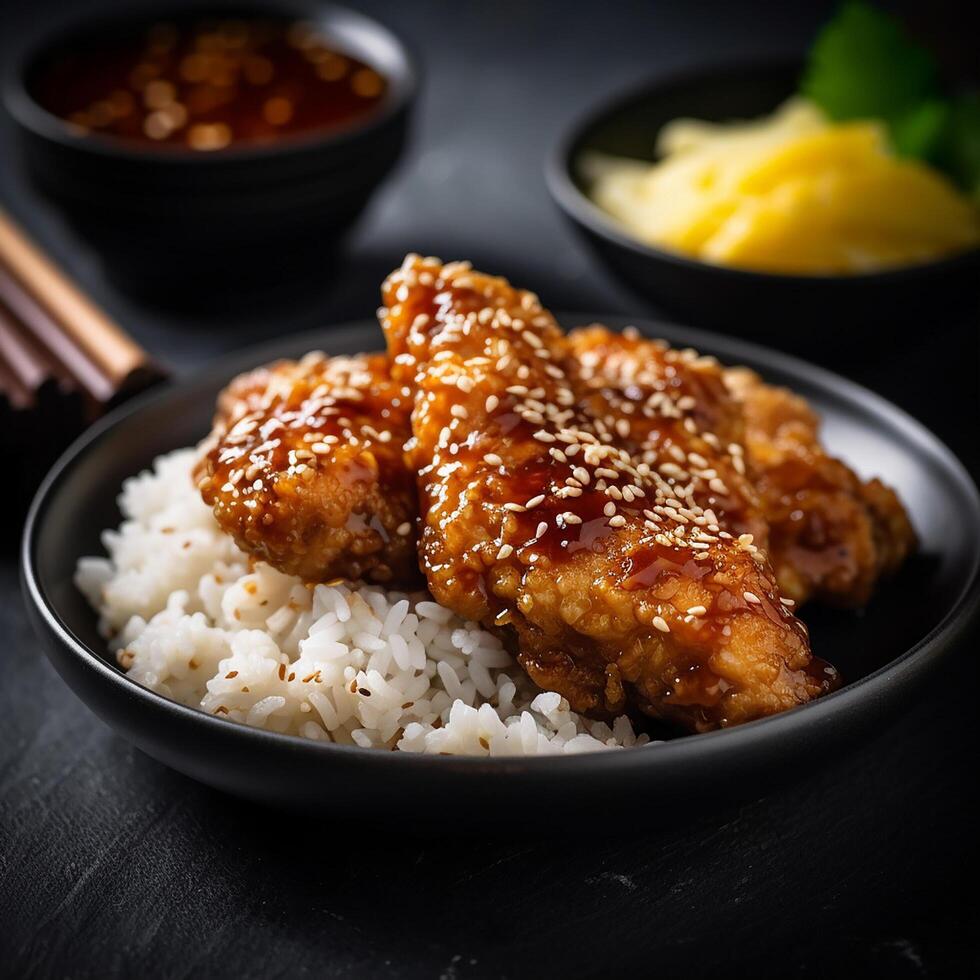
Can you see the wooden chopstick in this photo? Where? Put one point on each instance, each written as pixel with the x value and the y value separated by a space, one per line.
pixel 101 359
pixel 27 317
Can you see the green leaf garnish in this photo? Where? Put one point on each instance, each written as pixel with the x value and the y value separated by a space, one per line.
pixel 921 130
pixel 959 155
pixel 864 66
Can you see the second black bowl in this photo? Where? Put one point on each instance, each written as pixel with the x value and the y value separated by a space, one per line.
pixel 800 312
pixel 179 223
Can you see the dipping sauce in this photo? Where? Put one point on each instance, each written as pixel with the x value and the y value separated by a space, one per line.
pixel 208 84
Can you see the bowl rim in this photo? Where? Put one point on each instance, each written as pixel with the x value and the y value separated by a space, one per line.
pixel 29 114
pixel 560 161
pixel 829 712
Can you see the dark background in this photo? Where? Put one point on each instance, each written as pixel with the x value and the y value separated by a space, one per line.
pixel 112 864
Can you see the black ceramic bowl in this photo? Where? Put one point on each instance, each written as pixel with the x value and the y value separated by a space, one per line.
pixel 795 311
pixel 174 223
pixel 885 653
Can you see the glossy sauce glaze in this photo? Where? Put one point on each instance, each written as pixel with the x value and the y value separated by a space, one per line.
pixel 206 85
pixel 304 468
pixel 539 516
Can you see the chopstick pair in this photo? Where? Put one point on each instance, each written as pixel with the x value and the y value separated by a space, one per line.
pixel 54 341
pixel 63 362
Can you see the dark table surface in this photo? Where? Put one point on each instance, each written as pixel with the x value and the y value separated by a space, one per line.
pixel 112 864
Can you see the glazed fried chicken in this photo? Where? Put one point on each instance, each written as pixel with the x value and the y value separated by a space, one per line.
pixel 305 469
pixel 621 588
pixel 832 536
pixel 829 536
pixel 666 404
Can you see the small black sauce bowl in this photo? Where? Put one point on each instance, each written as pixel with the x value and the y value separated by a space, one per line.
pixel 175 224
pixel 794 311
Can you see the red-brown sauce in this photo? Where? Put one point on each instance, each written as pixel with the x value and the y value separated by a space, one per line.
pixel 208 84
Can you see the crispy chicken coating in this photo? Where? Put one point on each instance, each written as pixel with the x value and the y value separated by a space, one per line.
pixel 620 588
pixel 832 536
pixel 664 403
pixel 305 469
pixel 829 535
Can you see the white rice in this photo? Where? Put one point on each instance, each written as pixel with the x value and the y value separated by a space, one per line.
pixel 349 663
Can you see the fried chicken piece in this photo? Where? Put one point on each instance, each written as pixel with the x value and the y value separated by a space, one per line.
pixel 832 536
pixel 829 535
pixel 305 469
pixel 620 590
pixel 664 403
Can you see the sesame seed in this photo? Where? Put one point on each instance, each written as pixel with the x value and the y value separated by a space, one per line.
pixel 659 623
pixel 751 597
pixel 491 403
pixel 696 610
pixel 405 528
pixel 493 459
pixel 534 501
pixel 617 521
pixel 541 529
pixel 506 550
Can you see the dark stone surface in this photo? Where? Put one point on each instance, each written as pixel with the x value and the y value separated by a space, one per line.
pixel 112 865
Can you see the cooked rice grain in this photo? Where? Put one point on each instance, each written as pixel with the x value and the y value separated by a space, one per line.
pixel 188 617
